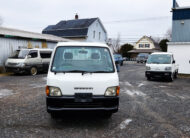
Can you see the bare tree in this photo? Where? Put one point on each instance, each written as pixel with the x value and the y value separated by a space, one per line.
pixel 114 44
pixel 169 34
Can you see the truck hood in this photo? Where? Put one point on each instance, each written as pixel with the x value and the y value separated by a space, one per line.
pixel 158 67
pixel 71 83
pixel 15 60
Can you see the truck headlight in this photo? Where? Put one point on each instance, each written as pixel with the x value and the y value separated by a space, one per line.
pixel 112 91
pixel 168 68
pixel 148 68
pixel 21 64
pixel 53 91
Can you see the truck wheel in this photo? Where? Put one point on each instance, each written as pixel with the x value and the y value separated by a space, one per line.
pixel 107 115
pixel 175 76
pixel 54 115
pixel 33 71
pixel 171 78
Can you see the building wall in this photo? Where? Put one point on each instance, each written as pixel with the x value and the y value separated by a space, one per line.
pixel 181 31
pixel 96 26
pixel 144 41
pixel 9 45
pixel 182 56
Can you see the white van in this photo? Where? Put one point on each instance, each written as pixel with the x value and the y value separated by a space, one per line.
pixel 29 61
pixel 162 65
pixel 82 76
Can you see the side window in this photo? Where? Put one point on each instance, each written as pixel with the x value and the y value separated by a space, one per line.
pixel 45 54
pixel 33 53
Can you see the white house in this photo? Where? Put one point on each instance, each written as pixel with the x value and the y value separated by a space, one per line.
pixel 180 43
pixel 89 30
pixel 145 45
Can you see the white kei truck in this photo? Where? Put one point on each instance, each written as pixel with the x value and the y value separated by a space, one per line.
pixel 161 65
pixel 82 77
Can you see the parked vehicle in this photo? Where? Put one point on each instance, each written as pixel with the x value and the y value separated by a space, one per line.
pixel 118 58
pixel 29 61
pixel 161 65
pixel 82 76
pixel 125 59
pixel 142 58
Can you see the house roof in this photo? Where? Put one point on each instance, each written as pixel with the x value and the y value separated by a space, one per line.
pixel 143 51
pixel 9 32
pixel 70 28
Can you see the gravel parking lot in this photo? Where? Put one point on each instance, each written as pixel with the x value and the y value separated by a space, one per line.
pixel 148 109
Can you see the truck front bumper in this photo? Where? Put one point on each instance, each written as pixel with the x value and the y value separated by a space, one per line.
pixel 68 103
pixel 156 74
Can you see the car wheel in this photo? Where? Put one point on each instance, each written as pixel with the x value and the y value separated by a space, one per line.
pixel 121 63
pixel 148 78
pixel 33 71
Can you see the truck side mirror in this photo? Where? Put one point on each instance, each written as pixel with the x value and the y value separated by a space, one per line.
pixel 173 62
pixel 29 56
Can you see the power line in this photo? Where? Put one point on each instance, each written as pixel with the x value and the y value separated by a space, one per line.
pixel 139 20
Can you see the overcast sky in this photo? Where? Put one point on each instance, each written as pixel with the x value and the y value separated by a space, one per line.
pixel 129 18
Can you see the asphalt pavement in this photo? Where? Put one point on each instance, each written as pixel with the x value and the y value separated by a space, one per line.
pixel 148 109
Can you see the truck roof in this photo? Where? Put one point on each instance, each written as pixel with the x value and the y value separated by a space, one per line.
pixel 41 49
pixel 82 44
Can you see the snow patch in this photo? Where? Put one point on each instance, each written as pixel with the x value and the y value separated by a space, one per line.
pixel 37 85
pixel 45 78
pixel 124 124
pixel 141 84
pixel 162 86
pixel 133 92
pixel 5 92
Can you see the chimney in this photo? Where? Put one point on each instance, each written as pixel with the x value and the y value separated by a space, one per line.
pixel 76 17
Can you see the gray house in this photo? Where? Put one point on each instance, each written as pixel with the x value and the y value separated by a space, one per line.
pixel 90 30
pixel 180 43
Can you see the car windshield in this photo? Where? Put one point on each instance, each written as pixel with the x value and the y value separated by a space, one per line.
pixel 82 59
pixel 23 53
pixel 159 59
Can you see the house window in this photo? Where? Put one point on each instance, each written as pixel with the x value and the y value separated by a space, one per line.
pixel 99 35
pixel 94 34
pixel 147 45
pixel 141 45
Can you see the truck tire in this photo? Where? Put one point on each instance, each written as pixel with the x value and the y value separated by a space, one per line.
pixel 176 73
pixel 33 71
pixel 107 115
pixel 171 78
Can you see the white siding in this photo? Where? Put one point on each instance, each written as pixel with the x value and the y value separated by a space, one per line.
pixel 9 45
pixel 182 56
pixel 97 27
pixel 144 41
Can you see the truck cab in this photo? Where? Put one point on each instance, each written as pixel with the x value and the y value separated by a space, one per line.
pixel 161 65
pixel 82 77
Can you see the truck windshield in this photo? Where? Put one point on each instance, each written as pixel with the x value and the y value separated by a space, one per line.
pixel 23 53
pixel 159 59
pixel 82 59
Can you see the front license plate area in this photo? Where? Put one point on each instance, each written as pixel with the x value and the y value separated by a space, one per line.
pixel 83 97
